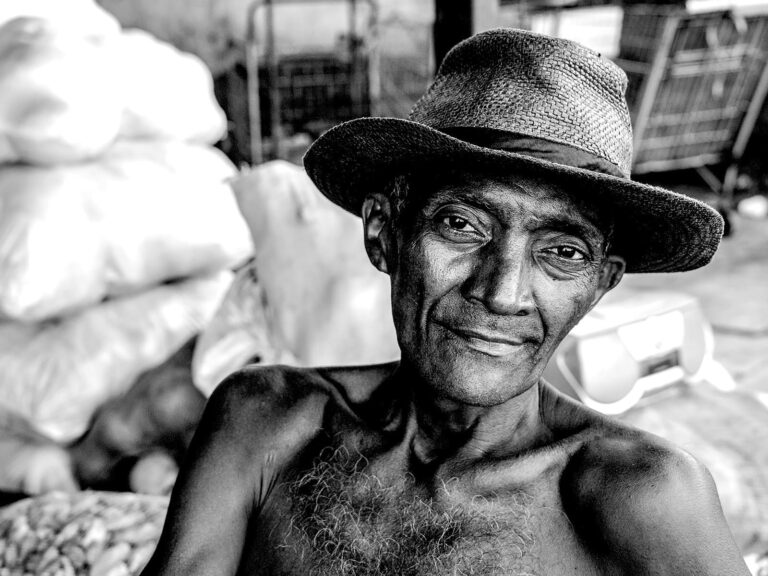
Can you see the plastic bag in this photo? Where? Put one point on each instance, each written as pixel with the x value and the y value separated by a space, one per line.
pixel 70 84
pixel 84 17
pixel 321 299
pixel 60 94
pixel 168 94
pixel 57 373
pixel 32 463
pixel 238 334
pixel 142 214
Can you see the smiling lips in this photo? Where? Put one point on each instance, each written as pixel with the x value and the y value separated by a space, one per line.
pixel 492 344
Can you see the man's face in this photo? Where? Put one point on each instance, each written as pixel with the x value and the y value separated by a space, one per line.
pixel 488 276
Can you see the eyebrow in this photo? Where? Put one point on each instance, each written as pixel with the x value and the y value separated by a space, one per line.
pixel 464 196
pixel 585 230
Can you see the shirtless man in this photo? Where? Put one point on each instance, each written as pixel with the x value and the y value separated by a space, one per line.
pixel 502 212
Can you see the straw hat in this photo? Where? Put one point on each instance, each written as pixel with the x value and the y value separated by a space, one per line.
pixel 519 101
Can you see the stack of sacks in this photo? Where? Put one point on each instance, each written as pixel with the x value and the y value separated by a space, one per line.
pixel 118 229
pixel 310 298
pixel 71 83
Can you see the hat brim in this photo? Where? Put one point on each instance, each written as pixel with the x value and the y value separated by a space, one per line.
pixel 655 230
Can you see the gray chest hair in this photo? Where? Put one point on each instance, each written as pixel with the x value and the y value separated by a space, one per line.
pixel 347 522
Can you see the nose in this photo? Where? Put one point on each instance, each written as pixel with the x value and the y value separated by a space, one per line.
pixel 502 282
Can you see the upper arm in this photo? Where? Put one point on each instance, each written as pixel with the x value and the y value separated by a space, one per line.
pixel 648 508
pixel 247 432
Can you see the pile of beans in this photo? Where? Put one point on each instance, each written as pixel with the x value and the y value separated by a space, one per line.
pixel 86 533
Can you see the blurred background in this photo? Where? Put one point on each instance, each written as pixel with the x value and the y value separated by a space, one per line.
pixel 157 232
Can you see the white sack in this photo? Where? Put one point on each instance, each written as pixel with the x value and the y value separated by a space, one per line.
pixel 238 334
pixel 60 94
pixel 324 303
pixel 142 214
pixel 168 94
pixel 84 17
pixel 57 373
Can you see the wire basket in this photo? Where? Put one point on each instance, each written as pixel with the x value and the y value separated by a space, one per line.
pixel 696 84
pixel 304 92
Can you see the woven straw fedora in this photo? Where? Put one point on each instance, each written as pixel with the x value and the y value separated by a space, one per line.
pixel 519 101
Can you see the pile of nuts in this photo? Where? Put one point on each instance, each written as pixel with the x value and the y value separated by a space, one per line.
pixel 86 533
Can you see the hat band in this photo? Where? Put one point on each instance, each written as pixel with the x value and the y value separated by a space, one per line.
pixel 535 148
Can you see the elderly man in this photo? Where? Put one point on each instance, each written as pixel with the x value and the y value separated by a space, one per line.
pixel 502 211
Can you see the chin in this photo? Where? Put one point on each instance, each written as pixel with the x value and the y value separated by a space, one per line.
pixel 475 384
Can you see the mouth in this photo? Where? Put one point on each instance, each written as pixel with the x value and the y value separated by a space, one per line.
pixel 488 343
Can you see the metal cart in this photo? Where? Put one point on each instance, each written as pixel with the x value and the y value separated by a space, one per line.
pixel 697 83
pixel 293 97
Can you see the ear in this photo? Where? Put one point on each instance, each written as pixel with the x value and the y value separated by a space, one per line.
pixel 377 217
pixel 611 273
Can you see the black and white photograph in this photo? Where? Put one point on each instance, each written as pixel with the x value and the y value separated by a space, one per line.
pixel 383 288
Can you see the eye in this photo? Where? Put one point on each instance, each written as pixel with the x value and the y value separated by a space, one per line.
pixel 457 223
pixel 460 225
pixel 567 253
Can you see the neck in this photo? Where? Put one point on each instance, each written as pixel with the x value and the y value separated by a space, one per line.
pixel 442 427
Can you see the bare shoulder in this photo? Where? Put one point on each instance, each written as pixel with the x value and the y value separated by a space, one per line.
pixel 610 461
pixel 647 506
pixel 268 388
pixel 619 462
pixel 266 402
pixel 254 424
pixel 285 406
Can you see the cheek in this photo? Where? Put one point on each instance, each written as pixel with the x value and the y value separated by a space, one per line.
pixel 562 304
pixel 424 275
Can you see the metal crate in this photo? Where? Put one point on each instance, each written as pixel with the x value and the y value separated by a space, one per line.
pixel 302 94
pixel 697 83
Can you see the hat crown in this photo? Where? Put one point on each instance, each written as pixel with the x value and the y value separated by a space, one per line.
pixel 525 83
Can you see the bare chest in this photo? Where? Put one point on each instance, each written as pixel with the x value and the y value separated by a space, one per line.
pixel 349 520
